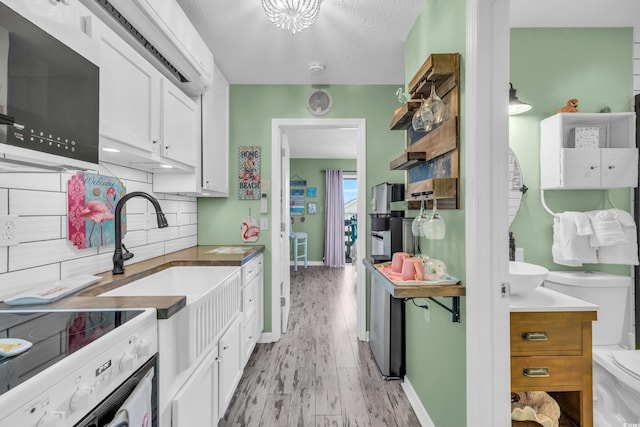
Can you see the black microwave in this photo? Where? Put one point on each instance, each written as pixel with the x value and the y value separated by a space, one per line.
pixel 49 96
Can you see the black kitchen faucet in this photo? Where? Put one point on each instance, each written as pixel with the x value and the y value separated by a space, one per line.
pixel 118 257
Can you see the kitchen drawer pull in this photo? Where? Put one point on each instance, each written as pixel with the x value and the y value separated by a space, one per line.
pixel 534 336
pixel 535 372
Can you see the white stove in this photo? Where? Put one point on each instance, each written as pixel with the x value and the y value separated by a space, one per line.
pixel 79 361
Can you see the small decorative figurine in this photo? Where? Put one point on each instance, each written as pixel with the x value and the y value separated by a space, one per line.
pixel 571 107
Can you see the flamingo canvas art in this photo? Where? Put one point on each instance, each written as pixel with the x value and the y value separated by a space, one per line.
pixel 92 203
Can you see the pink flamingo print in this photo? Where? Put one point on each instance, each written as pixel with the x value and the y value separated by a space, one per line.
pixel 97 212
pixel 250 232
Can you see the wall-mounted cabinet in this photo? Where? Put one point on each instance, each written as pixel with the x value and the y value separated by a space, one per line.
pixel 142 114
pixel 432 157
pixel 605 157
pixel 211 175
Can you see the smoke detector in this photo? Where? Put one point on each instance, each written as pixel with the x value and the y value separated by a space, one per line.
pixel 315 68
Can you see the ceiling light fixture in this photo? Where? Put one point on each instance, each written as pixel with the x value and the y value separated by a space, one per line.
pixel 292 15
pixel 110 150
pixel 515 105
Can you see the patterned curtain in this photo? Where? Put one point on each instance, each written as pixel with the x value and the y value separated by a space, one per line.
pixel 334 249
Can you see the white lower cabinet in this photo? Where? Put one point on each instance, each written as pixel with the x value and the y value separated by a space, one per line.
pixel 252 300
pixel 196 403
pixel 230 370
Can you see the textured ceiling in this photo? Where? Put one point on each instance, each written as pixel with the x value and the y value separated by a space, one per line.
pixel 358 41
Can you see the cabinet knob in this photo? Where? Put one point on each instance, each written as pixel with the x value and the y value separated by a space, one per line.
pixel 592 167
pixel 536 372
pixel 167 147
pixel 534 336
pixel 611 167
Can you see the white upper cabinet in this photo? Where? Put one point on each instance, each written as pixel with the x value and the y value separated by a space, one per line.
pixel 215 136
pixel 588 151
pixel 142 114
pixel 180 129
pixel 129 95
pixel 211 175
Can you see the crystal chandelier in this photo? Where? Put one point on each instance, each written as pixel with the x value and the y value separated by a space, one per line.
pixel 292 15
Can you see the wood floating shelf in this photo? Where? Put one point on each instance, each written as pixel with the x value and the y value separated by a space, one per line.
pixel 403 117
pixel 443 189
pixel 421 291
pixel 438 67
pixel 408 160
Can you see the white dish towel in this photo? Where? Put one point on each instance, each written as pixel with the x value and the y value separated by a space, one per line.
pixel 136 410
pixel 625 250
pixel 571 233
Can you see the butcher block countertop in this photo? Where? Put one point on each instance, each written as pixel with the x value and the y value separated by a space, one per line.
pixel 165 306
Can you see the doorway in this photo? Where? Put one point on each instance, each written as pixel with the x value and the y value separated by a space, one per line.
pixel 282 132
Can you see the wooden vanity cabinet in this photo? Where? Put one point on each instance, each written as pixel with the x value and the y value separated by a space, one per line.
pixel 551 351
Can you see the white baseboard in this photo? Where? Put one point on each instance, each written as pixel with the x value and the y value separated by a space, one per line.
pixel 267 337
pixel 416 404
pixel 309 263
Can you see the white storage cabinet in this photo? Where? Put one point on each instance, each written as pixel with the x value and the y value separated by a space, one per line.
pixel 211 177
pixel 252 306
pixel 614 164
pixel 142 113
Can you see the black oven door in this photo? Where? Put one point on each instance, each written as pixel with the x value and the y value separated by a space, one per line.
pixel 103 414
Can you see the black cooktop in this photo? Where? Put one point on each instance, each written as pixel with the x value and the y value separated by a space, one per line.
pixel 54 335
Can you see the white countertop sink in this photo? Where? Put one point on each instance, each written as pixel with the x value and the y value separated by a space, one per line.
pixel 524 277
pixel 191 281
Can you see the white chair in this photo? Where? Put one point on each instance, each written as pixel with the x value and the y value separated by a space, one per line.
pixel 299 239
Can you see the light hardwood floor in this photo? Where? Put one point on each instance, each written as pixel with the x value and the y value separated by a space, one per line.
pixel 318 374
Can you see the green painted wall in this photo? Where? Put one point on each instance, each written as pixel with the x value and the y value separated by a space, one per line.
pixel 548 67
pixel 251 109
pixel 436 357
pixel 313 225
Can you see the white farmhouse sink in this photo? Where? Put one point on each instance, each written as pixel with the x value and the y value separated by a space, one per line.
pixel 524 277
pixel 193 282
pixel 213 300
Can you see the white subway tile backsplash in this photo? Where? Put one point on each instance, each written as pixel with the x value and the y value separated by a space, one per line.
pixel 23 280
pixel 87 265
pixel 4 257
pixel 636 83
pixel 4 201
pixel 636 50
pixel 162 234
pixel 179 244
pixel 636 66
pixel 27 202
pixel 32 181
pixel 135 238
pixel 36 228
pixel 188 230
pixel 188 207
pixel 44 253
pixel 28 255
pixel 146 252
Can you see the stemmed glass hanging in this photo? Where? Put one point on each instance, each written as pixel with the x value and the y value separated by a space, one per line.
pixel 421 116
pixel 418 222
pixel 437 110
pixel 434 227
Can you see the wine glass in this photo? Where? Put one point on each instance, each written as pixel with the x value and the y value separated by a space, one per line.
pixel 437 107
pixel 418 222
pixel 421 114
pixel 434 227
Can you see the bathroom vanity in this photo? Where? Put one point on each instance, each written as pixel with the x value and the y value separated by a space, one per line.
pixel 551 350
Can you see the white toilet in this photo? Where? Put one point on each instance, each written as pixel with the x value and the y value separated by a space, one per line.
pixel 616 369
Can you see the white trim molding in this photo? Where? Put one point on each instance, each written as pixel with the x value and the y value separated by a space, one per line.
pixel 416 404
pixel 486 201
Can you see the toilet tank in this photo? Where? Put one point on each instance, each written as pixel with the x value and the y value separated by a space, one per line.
pixel 609 291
